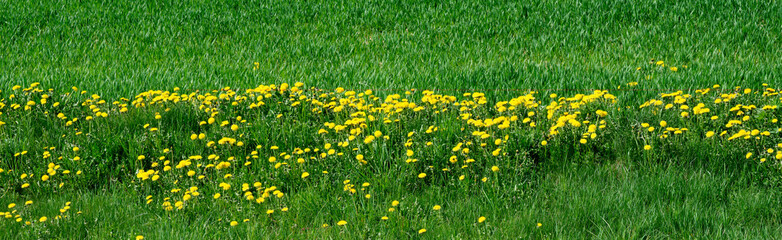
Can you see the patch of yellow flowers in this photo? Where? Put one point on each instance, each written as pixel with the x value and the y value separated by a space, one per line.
pixel 233 153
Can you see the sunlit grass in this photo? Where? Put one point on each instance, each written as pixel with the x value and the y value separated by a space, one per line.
pixel 491 119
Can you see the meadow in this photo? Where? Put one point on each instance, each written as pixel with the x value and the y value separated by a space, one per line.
pixel 390 119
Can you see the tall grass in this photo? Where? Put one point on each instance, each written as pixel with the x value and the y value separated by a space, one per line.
pixel 119 48
pixel 687 185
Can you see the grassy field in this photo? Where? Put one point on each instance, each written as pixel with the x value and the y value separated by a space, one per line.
pixel 302 119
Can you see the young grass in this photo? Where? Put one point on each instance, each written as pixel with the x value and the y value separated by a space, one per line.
pixel 592 177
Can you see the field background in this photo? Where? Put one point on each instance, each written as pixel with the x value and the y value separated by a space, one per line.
pixel 118 48
pixel 121 48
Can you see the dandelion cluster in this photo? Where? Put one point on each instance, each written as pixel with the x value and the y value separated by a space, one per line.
pixel 247 151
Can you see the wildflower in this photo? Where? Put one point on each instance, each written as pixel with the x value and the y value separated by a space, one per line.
pixel 647 147
pixel 436 207
pixel 421 175
pixel 496 152
pixel 481 219
pixel 423 230
pixel 223 165
pixel 342 223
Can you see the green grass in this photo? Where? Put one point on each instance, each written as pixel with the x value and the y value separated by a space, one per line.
pixel 119 48
pixel 591 202
pixel 688 186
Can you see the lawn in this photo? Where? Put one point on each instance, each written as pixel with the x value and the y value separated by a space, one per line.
pixel 390 119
